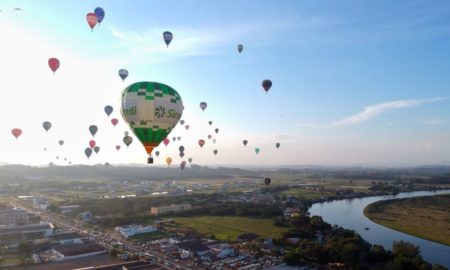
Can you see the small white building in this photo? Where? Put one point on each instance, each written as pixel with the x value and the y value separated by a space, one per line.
pixel 128 231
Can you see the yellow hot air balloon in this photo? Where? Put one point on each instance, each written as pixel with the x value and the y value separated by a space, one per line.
pixel 169 161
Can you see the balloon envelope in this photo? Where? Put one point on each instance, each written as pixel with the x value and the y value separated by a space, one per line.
pixel 257 150
pixel 100 13
pixel 245 142
pixel 114 121
pixel 215 152
pixel 168 36
pixel 181 149
pixel 267 181
pixel 203 105
pixel 216 130
pixel 96 149
pixel 88 152
pixel 152 110
pixel 61 142
pixel 166 141
pixel 277 145
pixel 47 125
pixel 117 147
pixel 182 122
pixel 210 122
pixel 168 161
pixel 267 84
pixel 127 140
pixel 92 143
pixel 92 20
pixel 123 74
pixel 108 110
pixel 240 47
pixel 190 160
pixel 93 130
pixel 157 153
pixel 53 63
pixel 187 127
pixel 201 143
pixel 16 132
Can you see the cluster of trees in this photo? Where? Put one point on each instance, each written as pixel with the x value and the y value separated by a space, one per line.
pixel 256 210
pixel 345 247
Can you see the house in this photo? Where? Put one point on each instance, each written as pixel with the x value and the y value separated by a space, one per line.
pixel 13 216
pixel 131 230
pixel 221 250
pixel 158 210
pixel 25 230
pixel 68 238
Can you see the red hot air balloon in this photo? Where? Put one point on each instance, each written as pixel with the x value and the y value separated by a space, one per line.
pixel 201 143
pixel 114 121
pixel 166 141
pixel 53 63
pixel 187 127
pixel 91 20
pixel 16 132
pixel 92 143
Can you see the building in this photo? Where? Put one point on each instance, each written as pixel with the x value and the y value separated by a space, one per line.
pixel 44 230
pixel 221 250
pixel 158 210
pixel 192 248
pixel 68 238
pixel 74 251
pixel 13 216
pixel 128 231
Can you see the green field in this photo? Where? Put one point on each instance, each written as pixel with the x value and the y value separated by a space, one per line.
pixel 424 217
pixel 149 236
pixel 228 228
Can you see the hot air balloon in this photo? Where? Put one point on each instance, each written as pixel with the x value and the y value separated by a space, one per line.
pixel 182 165
pixel 45 148
pixel 215 151
pixel 88 152
pixel 57 157
pixel 216 130
pixel 209 137
pixel 126 133
pixel 190 160
pixel 108 110
pixel 127 140
pixel 182 122
pixel 181 154
pixel 157 153
pixel 93 130
pixel 167 37
pixel 166 141
pixel 181 148
pixel 16 132
pixel 277 145
pixel 266 84
pixel 203 105
pixel 240 47
pixel 201 143
pixel 91 20
pixel 47 125
pixel 174 139
pixel 210 123
pixel 100 13
pixel 179 138
pixel 92 144
pixel 187 127
pixel 257 150
pixel 152 110
pixel 97 149
pixel 117 147
pixel 114 121
pixel 245 142
pixel 123 74
pixel 267 181
pixel 61 142
pixel 53 63
pixel 169 161
pixel 214 141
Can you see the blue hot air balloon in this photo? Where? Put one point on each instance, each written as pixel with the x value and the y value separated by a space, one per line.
pixel 123 74
pixel 100 13
pixel 108 110
pixel 167 37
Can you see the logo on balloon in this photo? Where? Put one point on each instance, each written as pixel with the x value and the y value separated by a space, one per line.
pixel 130 112
pixel 160 112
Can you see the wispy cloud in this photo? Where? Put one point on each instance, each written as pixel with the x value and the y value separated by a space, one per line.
pixel 372 111
pixel 434 121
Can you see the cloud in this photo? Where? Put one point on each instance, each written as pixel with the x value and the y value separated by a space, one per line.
pixel 433 121
pixel 372 111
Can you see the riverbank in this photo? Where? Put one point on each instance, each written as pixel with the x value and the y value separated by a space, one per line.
pixel 425 217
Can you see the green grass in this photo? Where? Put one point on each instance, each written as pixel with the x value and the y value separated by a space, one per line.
pixel 228 228
pixel 303 193
pixel 424 217
pixel 11 261
pixel 149 236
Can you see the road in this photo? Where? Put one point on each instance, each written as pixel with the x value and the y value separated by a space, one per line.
pixel 102 238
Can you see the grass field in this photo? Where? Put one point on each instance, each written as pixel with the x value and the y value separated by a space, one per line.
pixel 425 217
pixel 149 236
pixel 228 228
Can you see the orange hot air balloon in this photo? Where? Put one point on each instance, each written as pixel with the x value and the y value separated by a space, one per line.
pixel 91 20
pixel 16 132
pixel 53 63
pixel 169 161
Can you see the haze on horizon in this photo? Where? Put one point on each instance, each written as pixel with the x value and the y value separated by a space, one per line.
pixel 354 83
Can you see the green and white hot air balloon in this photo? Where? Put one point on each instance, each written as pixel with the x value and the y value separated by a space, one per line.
pixel 152 110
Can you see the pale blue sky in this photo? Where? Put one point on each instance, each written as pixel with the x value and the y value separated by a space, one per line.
pixel 354 82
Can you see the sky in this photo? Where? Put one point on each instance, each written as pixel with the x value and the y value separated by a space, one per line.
pixel 354 82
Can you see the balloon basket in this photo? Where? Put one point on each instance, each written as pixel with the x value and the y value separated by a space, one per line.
pixel 150 160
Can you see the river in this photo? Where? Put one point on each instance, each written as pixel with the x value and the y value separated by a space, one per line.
pixel 348 213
